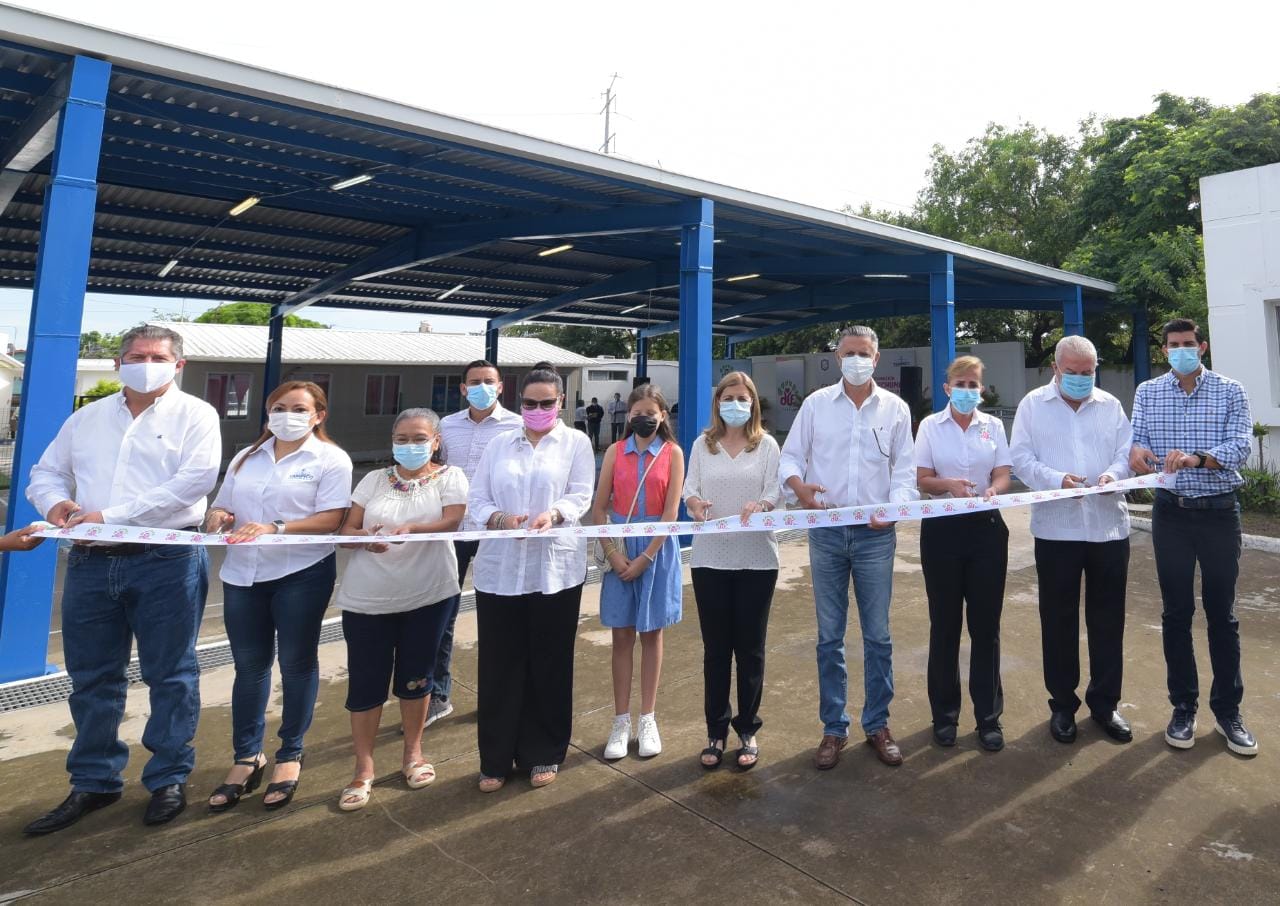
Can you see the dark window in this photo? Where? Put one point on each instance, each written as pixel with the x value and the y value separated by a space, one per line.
pixel 382 394
pixel 228 393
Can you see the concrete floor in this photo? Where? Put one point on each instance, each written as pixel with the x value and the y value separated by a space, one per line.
pixel 1040 822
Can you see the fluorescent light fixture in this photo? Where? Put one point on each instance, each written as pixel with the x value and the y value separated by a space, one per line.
pixel 627 311
pixel 244 205
pixel 730 318
pixel 164 271
pixel 449 292
pixel 714 241
pixel 741 277
pixel 887 276
pixel 555 251
pixel 351 181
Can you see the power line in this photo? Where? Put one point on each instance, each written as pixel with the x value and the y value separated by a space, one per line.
pixel 610 145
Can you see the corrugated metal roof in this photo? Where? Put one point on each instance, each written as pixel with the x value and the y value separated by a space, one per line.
pixel 241 343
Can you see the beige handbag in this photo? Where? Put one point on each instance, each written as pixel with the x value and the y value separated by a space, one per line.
pixel 599 553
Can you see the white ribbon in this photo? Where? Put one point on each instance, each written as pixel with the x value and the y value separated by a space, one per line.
pixel 775 521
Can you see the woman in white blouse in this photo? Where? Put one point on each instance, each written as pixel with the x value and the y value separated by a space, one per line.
pixel 528 590
pixel 294 480
pixel 396 599
pixel 733 472
pixel 962 452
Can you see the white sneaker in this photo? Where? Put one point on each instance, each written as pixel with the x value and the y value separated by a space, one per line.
pixel 619 738
pixel 650 741
pixel 437 709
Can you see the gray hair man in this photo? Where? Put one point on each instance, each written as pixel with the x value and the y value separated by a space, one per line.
pixel 1071 434
pixel 148 456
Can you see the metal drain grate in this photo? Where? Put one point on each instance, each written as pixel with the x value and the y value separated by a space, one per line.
pixel 55 687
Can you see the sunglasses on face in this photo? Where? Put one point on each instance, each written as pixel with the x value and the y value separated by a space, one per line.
pixel 526 403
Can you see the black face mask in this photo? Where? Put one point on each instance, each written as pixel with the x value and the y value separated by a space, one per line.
pixel 643 426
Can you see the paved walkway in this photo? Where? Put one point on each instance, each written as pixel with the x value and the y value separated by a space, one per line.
pixel 1041 822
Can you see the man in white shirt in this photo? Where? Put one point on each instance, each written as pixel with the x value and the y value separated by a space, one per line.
pixel 851 445
pixel 618 410
pixel 465 435
pixel 146 456
pixel 1070 434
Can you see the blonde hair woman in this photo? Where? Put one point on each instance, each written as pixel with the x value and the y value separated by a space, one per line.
pixel 733 471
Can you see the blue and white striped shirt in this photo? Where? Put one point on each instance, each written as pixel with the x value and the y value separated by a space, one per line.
pixel 1213 418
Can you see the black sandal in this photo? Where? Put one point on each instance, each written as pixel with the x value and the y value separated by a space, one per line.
pixel 752 752
pixel 288 787
pixel 717 751
pixel 234 792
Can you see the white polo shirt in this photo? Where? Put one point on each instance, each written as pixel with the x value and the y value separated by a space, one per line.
pixel 465 440
pixel 972 453
pixel 313 478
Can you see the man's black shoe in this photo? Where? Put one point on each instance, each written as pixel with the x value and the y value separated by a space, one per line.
pixel 1115 726
pixel 1062 726
pixel 72 809
pixel 166 804
pixel 1239 739
pixel 991 738
pixel 944 735
pixel 1181 732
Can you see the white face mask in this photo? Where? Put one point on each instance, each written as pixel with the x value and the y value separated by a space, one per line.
pixel 144 377
pixel 857 370
pixel 289 426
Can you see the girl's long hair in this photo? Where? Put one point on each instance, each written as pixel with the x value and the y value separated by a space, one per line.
pixel 754 427
pixel 318 399
pixel 652 392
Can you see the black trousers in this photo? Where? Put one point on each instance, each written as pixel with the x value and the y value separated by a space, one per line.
pixel 525 711
pixel 964 559
pixel 1211 537
pixel 593 431
pixel 1104 565
pixel 619 428
pixel 733 612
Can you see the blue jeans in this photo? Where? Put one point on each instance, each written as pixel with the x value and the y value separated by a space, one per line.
pixel 288 610
pixel 866 554
pixel 158 598
pixel 442 684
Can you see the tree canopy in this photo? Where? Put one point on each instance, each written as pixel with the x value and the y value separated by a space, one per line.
pixel 251 313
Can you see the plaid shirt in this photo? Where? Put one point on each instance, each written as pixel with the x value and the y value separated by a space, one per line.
pixel 1213 418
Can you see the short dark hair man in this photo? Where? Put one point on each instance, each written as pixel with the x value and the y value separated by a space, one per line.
pixel 595 415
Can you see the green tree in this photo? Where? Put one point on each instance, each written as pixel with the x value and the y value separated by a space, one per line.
pixel 104 387
pixel 251 313
pixel 591 342
pixel 97 345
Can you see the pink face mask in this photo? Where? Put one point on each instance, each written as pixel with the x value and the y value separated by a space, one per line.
pixel 540 420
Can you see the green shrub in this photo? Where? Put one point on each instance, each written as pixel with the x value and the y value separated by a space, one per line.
pixel 1261 490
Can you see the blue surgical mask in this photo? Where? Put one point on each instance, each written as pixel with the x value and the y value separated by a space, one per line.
pixel 1184 359
pixel 412 456
pixel 482 396
pixel 1076 386
pixel 965 399
pixel 735 412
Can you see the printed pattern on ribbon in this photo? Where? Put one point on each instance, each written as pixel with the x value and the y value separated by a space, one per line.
pixel 775 521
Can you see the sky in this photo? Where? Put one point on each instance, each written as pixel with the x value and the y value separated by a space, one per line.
pixel 824 103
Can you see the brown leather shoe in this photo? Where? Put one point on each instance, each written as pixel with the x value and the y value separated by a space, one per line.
pixel 886 749
pixel 828 754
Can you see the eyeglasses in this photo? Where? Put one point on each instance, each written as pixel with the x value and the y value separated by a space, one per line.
pixel 553 403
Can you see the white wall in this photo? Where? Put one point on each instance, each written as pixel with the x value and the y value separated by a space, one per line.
pixel 90 371
pixel 664 374
pixel 1241 214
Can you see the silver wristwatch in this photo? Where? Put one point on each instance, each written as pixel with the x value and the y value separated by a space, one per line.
pixel 279 524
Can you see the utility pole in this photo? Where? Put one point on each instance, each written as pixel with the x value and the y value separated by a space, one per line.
pixel 610 102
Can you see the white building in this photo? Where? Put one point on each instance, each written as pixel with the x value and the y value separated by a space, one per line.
pixel 1241 214
pixel 604 377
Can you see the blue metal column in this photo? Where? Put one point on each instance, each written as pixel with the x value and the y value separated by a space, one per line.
pixel 275 353
pixel 53 345
pixel 697 245
pixel 942 327
pixel 1073 312
pixel 491 344
pixel 1141 346
pixel 642 356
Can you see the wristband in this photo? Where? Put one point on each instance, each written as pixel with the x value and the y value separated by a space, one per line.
pixel 645 554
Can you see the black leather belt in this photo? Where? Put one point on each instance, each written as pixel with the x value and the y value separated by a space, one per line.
pixel 1225 501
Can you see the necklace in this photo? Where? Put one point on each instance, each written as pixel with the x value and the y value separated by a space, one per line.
pixel 409 485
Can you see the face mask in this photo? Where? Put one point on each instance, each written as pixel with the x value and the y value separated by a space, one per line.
pixel 735 413
pixel 289 426
pixel 539 420
pixel 857 370
pixel 144 377
pixel 1184 359
pixel 412 456
pixel 644 426
pixel 1076 386
pixel 965 399
pixel 482 396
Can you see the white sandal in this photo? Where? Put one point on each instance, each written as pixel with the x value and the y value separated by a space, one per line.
pixel 358 793
pixel 418 774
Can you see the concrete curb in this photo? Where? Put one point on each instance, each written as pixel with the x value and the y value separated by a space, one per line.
pixel 1250 542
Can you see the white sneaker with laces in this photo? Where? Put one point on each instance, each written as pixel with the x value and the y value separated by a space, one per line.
pixel 619 738
pixel 650 741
